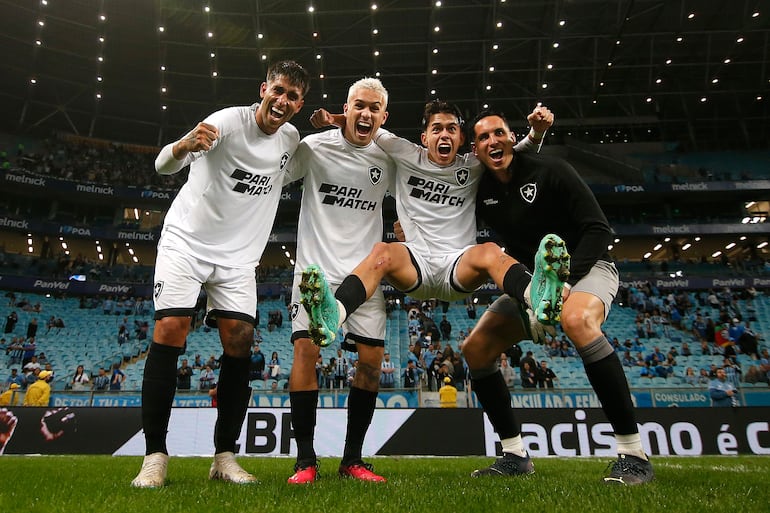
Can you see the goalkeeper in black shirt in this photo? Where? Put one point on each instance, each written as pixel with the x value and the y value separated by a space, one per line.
pixel 523 197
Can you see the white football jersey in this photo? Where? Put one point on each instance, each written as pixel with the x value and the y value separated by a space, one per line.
pixel 340 216
pixel 436 205
pixel 224 213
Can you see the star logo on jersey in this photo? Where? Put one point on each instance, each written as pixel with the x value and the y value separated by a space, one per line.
pixel 461 175
pixel 528 192
pixel 293 311
pixel 157 289
pixel 284 160
pixel 375 175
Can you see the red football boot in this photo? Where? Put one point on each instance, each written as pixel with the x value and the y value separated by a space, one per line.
pixel 361 471
pixel 304 475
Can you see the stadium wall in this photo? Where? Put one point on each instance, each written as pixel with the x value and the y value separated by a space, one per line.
pixel 394 432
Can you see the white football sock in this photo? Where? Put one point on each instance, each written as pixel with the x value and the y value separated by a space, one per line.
pixel 630 445
pixel 514 446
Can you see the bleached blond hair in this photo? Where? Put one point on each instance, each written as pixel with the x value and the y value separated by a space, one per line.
pixel 372 84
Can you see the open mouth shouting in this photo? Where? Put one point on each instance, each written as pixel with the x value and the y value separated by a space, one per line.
pixel 276 114
pixel 444 149
pixel 496 156
pixel 363 129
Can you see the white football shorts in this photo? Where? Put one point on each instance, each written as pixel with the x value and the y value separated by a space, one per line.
pixel 231 292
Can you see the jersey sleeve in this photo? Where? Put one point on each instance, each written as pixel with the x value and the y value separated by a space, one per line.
pixel 584 209
pixel 167 164
pixel 296 168
pixel 525 145
pixel 393 145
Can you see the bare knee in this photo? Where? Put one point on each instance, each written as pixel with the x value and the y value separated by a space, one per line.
pixel 489 259
pixel 305 354
pixel 491 254
pixel 578 324
pixel 477 353
pixel 303 375
pixel 171 331
pixel 367 376
pixel 471 352
pixel 237 337
pixel 368 367
pixel 381 256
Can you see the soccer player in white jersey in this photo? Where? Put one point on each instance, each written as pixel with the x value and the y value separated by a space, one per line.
pixel 346 178
pixel 213 236
pixel 436 201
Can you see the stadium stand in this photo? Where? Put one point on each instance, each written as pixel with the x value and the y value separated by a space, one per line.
pixel 89 337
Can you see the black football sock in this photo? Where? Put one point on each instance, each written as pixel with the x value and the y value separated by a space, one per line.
pixel 360 412
pixel 516 280
pixel 233 394
pixel 158 388
pixel 303 421
pixel 351 293
pixel 605 373
pixel 494 397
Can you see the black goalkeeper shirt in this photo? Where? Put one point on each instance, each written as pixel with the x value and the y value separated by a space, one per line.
pixel 545 195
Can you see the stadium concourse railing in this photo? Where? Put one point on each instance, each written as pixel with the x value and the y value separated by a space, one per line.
pixel 560 397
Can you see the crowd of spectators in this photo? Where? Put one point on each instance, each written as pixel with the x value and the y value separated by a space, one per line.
pixel 431 352
pixel 26 363
pixel 95 161
pixel 83 159
pixel 704 323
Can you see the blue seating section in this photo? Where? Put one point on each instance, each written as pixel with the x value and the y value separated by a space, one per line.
pixel 90 338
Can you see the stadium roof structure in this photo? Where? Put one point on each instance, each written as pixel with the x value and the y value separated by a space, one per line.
pixel 144 71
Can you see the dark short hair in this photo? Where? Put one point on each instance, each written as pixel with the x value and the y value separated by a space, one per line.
pixel 293 71
pixel 440 107
pixel 485 114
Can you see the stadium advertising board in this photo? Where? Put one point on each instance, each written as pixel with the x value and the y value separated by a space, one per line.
pixel 425 431
pixel 649 398
pixel 259 399
pixel 21 178
pixel 24 179
pixel 91 287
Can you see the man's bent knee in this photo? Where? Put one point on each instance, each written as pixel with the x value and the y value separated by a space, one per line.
pixel 578 323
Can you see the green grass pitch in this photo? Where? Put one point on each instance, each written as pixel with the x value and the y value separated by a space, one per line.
pixel 83 484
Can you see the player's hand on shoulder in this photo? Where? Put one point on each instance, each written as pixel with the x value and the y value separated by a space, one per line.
pixel 322 118
pixel 541 119
pixel 201 138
